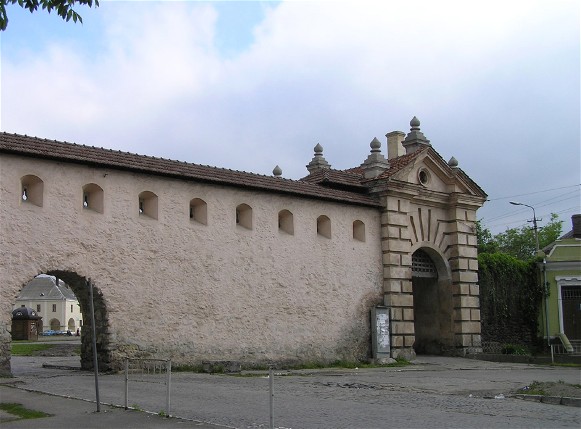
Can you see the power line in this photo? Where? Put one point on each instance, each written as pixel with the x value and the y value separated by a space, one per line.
pixel 532 193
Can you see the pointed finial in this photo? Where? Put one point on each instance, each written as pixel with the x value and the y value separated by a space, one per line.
pixel 318 162
pixel 453 162
pixel 415 138
pixel 415 124
pixel 277 171
pixel 375 145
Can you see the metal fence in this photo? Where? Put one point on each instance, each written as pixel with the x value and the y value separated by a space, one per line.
pixel 156 371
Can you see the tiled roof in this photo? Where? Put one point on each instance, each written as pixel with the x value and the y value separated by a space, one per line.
pixel 45 287
pixel 107 158
pixel 342 177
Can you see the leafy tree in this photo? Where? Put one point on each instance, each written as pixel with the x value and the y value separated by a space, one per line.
pixel 63 8
pixel 518 242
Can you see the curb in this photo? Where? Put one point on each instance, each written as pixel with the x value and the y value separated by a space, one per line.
pixel 554 400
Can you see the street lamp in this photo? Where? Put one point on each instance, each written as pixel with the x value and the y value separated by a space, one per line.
pixel 514 203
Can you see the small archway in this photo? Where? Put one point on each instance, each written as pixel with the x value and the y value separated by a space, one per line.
pixel 55 324
pixel 433 307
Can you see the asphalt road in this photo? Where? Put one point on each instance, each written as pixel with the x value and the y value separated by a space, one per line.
pixel 435 392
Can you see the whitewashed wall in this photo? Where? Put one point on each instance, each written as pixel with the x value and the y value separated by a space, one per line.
pixel 179 289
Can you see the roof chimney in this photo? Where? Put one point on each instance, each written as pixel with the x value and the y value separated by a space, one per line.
pixel 394 144
pixel 415 139
pixel 576 220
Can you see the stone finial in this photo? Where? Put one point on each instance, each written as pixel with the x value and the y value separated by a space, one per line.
pixel 375 163
pixel 453 162
pixel 318 162
pixel 415 138
pixel 277 171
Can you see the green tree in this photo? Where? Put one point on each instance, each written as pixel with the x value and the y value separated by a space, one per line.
pixel 518 242
pixel 63 8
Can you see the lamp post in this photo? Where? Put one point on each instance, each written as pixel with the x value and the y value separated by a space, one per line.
pixel 514 203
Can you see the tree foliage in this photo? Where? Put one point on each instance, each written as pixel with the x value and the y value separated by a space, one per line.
pixel 510 298
pixel 63 8
pixel 518 242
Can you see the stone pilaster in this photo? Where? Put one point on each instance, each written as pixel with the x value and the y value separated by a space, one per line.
pixel 465 290
pixel 397 274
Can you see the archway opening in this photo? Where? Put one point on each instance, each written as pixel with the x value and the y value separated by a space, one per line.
pixel 69 314
pixel 433 323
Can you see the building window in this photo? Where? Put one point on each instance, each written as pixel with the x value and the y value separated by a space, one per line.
pixel 199 211
pixel 93 197
pixel 244 216
pixel 324 226
pixel 54 308
pixel 424 176
pixel 32 189
pixel 22 305
pixel 71 308
pixel 358 230
pixel 38 308
pixel 148 204
pixel 286 222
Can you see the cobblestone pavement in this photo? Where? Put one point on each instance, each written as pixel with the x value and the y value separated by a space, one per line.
pixel 434 392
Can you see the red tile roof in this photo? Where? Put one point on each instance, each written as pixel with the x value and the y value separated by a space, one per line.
pixel 107 158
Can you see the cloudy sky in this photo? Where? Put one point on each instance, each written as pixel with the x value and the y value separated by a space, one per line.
pixel 249 85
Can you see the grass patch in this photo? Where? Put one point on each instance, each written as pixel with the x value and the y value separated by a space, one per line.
pixel 21 412
pixel 534 389
pixel 24 349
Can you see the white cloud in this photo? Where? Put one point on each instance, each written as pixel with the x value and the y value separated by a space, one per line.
pixel 493 83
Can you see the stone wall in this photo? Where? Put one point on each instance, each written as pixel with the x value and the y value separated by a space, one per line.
pixel 174 288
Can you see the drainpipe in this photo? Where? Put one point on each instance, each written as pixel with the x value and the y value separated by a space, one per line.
pixel 546 300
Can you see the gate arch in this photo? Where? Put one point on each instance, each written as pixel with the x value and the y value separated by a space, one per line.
pixel 78 285
pixel 433 305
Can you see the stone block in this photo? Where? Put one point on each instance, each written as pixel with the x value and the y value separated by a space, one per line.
pixel 397 341
pixel 406 286
pixel 397 219
pixel 409 340
pixel 470 327
pixel 395 272
pixel 395 245
pixel 396 313
pixel 462 314
pixel 465 276
pixel 402 328
pixel 391 258
pixel 399 300
pixel 474 290
pixel 458 264
pixel 393 231
pixel 470 301
pixel 406 259
pixel 471 240
pixel 408 314
pixel 475 314
pixel 392 286
pixel 473 264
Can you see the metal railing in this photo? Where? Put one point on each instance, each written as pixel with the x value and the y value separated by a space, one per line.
pixel 142 370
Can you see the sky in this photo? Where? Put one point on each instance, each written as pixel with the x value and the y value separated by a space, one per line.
pixel 250 85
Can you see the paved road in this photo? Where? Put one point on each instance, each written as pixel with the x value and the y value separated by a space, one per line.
pixel 434 392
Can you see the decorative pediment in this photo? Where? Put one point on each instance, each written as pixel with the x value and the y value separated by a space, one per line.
pixel 429 170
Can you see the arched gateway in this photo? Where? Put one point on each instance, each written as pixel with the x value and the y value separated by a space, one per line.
pixel 199 263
